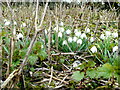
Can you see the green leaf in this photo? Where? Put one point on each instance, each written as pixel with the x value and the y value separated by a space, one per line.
pixel 32 59
pixel 78 76
pixel 91 73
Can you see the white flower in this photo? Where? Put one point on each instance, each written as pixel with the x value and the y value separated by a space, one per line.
pixel 23 25
pixel 79 41
pixel 83 36
pixel 53 41
pixel 76 64
pixel 61 29
pixel 115 48
pixel 70 39
pixel 46 31
pixel 15 23
pixel 74 39
pixel 93 49
pixel 42 46
pixel 77 34
pixel 107 33
pixel 115 35
pixel 102 36
pixel 64 42
pixel 61 24
pixel 60 34
pixel 7 23
pixel 87 30
pixel 19 36
pixel 55 29
pixel 92 39
pixel 76 30
pixel 5 20
pixel 68 31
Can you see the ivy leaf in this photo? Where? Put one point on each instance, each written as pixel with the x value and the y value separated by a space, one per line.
pixel 32 59
pixel 91 73
pixel 78 76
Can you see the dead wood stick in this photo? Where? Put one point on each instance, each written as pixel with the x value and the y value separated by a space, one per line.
pixel 55 78
pixel 69 53
pixel 14 73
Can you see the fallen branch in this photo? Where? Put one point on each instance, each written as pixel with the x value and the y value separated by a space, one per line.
pixel 69 53
pixel 55 78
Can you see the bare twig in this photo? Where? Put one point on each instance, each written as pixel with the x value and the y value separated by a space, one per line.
pixel 69 53
pixel 51 76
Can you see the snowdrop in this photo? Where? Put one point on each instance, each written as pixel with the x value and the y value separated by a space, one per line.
pixel 74 39
pixel 55 29
pixel 78 34
pixel 92 39
pixel 83 36
pixel 5 20
pixel 93 49
pixel 76 30
pixel 46 31
pixel 15 23
pixel 115 35
pixel 79 41
pixel 61 29
pixel 60 34
pixel 61 24
pixel 107 33
pixel 23 25
pixel 115 48
pixel 70 39
pixel 87 30
pixel 68 31
pixel 102 36
pixel 19 36
pixel 7 23
pixel 64 42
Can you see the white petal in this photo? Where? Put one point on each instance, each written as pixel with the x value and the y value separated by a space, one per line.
pixel 70 39
pixel 79 41
pixel 93 49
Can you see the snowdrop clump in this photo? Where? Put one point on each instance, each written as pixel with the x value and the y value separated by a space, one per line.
pixel 94 49
pixel 79 41
pixel 83 35
pixel 19 36
pixel 60 34
pixel 115 48
pixel 70 39
pixel 64 42
pixel 68 31
pixel 87 30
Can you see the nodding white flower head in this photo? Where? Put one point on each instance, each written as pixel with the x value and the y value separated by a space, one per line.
pixel 5 20
pixel 53 41
pixel 15 23
pixel 115 35
pixel 74 39
pixel 55 29
pixel 19 36
pixel 115 48
pixel 87 30
pixel 70 39
pixel 64 42
pixel 94 49
pixel 92 39
pixel 61 29
pixel 68 31
pixel 7 23
pixel 60 34
pixel 61 24
pixel 23 25
pixel 107 33
pixel 79 41
pixel 42 46
pixel 46 31
pixel 76 64
pixel 78 34
pixel 76 30
pixel 83 36
pixel 102 36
